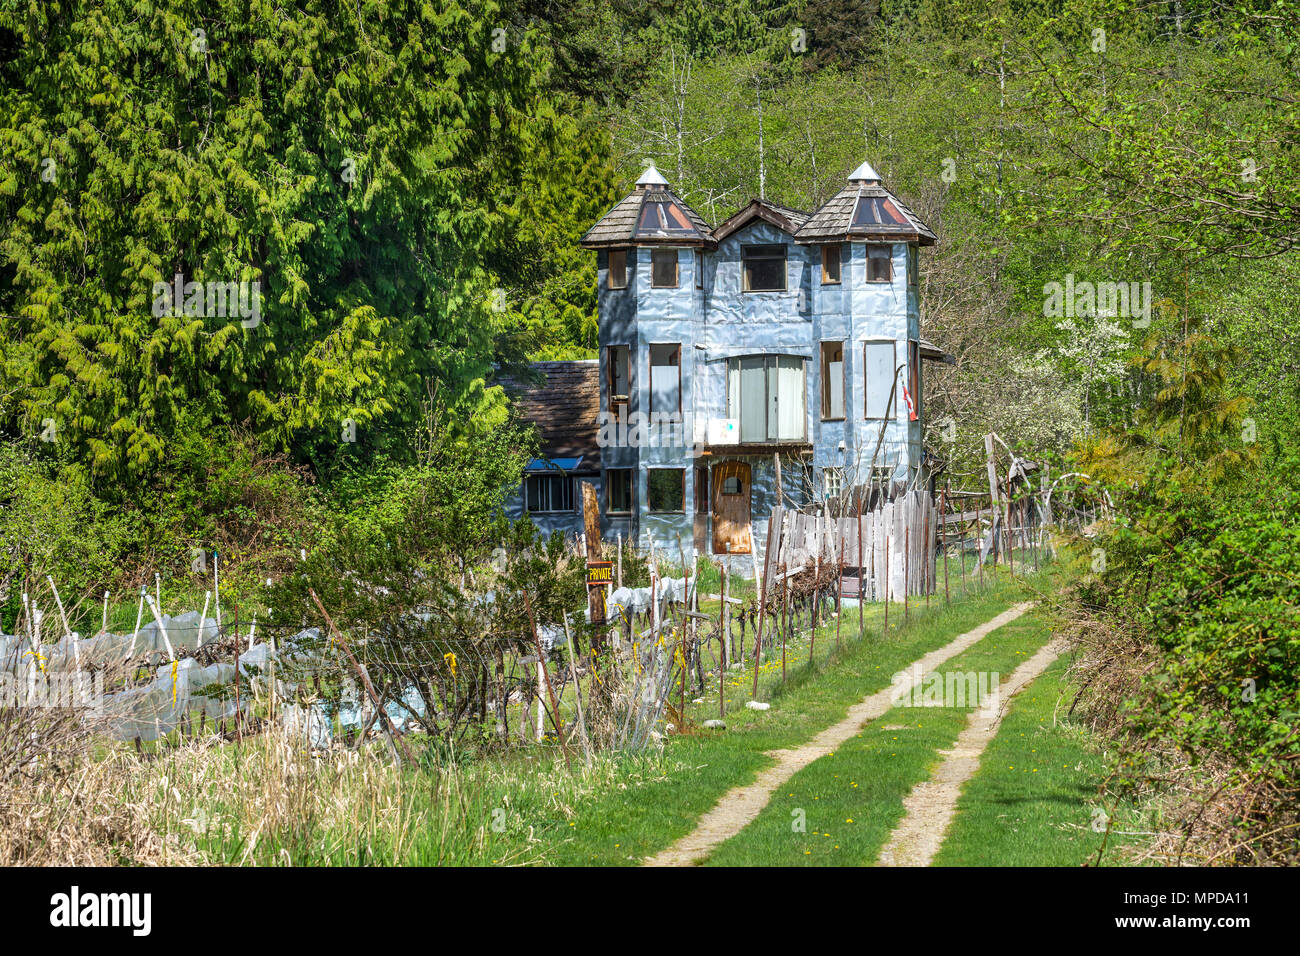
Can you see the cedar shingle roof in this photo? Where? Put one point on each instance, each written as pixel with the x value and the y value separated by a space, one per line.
pixel 653 213
pixel 865 209
pixel 783 217
pixel 565 406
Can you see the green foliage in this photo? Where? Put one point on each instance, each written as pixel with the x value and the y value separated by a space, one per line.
pixel 1210 576
pixel 50 524
pixel 369 165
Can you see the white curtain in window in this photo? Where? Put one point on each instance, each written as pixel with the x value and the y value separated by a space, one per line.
pixel 786 419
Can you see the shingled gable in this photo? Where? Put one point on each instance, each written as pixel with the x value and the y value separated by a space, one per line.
pixel 783 217
pixel 564 404
pixel 862 210
pixel 652 214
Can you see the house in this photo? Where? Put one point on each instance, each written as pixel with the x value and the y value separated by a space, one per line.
pixel 777 335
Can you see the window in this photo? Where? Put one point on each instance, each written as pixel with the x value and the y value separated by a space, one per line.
pixel 880 264
pixel 701 489
pixel 665 379
pixel 830 265
pixel 548 493
pixel 618 490
pixel 618 371
pixel 878 377
pixel 618 268
pixel 666 489
pixel 913 266
pixel 832 380
pixel 833 482
pixel 699 268
pixel 663 272
pixel 766 393
pixel 731 485
pixel 914 376
pixel 764 268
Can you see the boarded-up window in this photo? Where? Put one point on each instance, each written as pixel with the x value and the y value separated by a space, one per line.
pixel 766 393
pixel 880 264
pixel 877 377
pixel 666 489
pixel 618 490
pixel 548 493
pixel 663 271
pixel 832 380
pixel 618 369
pixel 665 379
pixel 701 489
pixel 765 268
pixel 831 265
pixel 618 268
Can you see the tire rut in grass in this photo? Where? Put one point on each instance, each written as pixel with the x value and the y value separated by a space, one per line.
pixel 741 805
pixel 928 810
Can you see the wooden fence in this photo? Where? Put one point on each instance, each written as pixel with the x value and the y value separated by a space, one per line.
pixel 883 553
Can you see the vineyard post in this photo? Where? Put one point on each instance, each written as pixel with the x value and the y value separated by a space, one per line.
pixel 767 564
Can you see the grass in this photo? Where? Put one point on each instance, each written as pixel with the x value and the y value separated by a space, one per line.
pixel 623 826
pixel 840 809
pixel 264 801
pixel 1033 800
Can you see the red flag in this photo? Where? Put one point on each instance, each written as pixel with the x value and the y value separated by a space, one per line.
pixel 911 408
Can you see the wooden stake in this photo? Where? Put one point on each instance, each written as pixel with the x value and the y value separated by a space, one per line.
pixel 943 525
pixel 360 671
pixel 546 677
pixel 723 649
pixel 839 585
pixel 861 590
pixel 767 564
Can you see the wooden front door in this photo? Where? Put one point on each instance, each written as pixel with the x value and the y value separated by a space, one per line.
pixel 731 487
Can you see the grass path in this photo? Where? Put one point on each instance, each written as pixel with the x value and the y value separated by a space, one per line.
pixel 930 807
pixel 741 806
pixel 1034 800
pixel 840 810
pixel 626 824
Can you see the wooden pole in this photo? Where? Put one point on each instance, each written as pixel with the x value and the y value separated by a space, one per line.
pixel 595 596
pixel 723 649
pixel 887 584
pixel 943 525
pixel 767 564
pixel 785 618
pixel 391 730
pixel 839 585
pixel 907 564
pixel 546 677
pixel 861 576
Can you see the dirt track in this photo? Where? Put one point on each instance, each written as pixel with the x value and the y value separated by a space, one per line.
pixel 741 805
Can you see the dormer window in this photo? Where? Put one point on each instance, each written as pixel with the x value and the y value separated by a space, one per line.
pixel 618 268
pixel 880 264
pixel 765 268
pixel 663 273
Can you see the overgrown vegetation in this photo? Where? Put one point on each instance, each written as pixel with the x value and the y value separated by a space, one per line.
pixel 407 184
